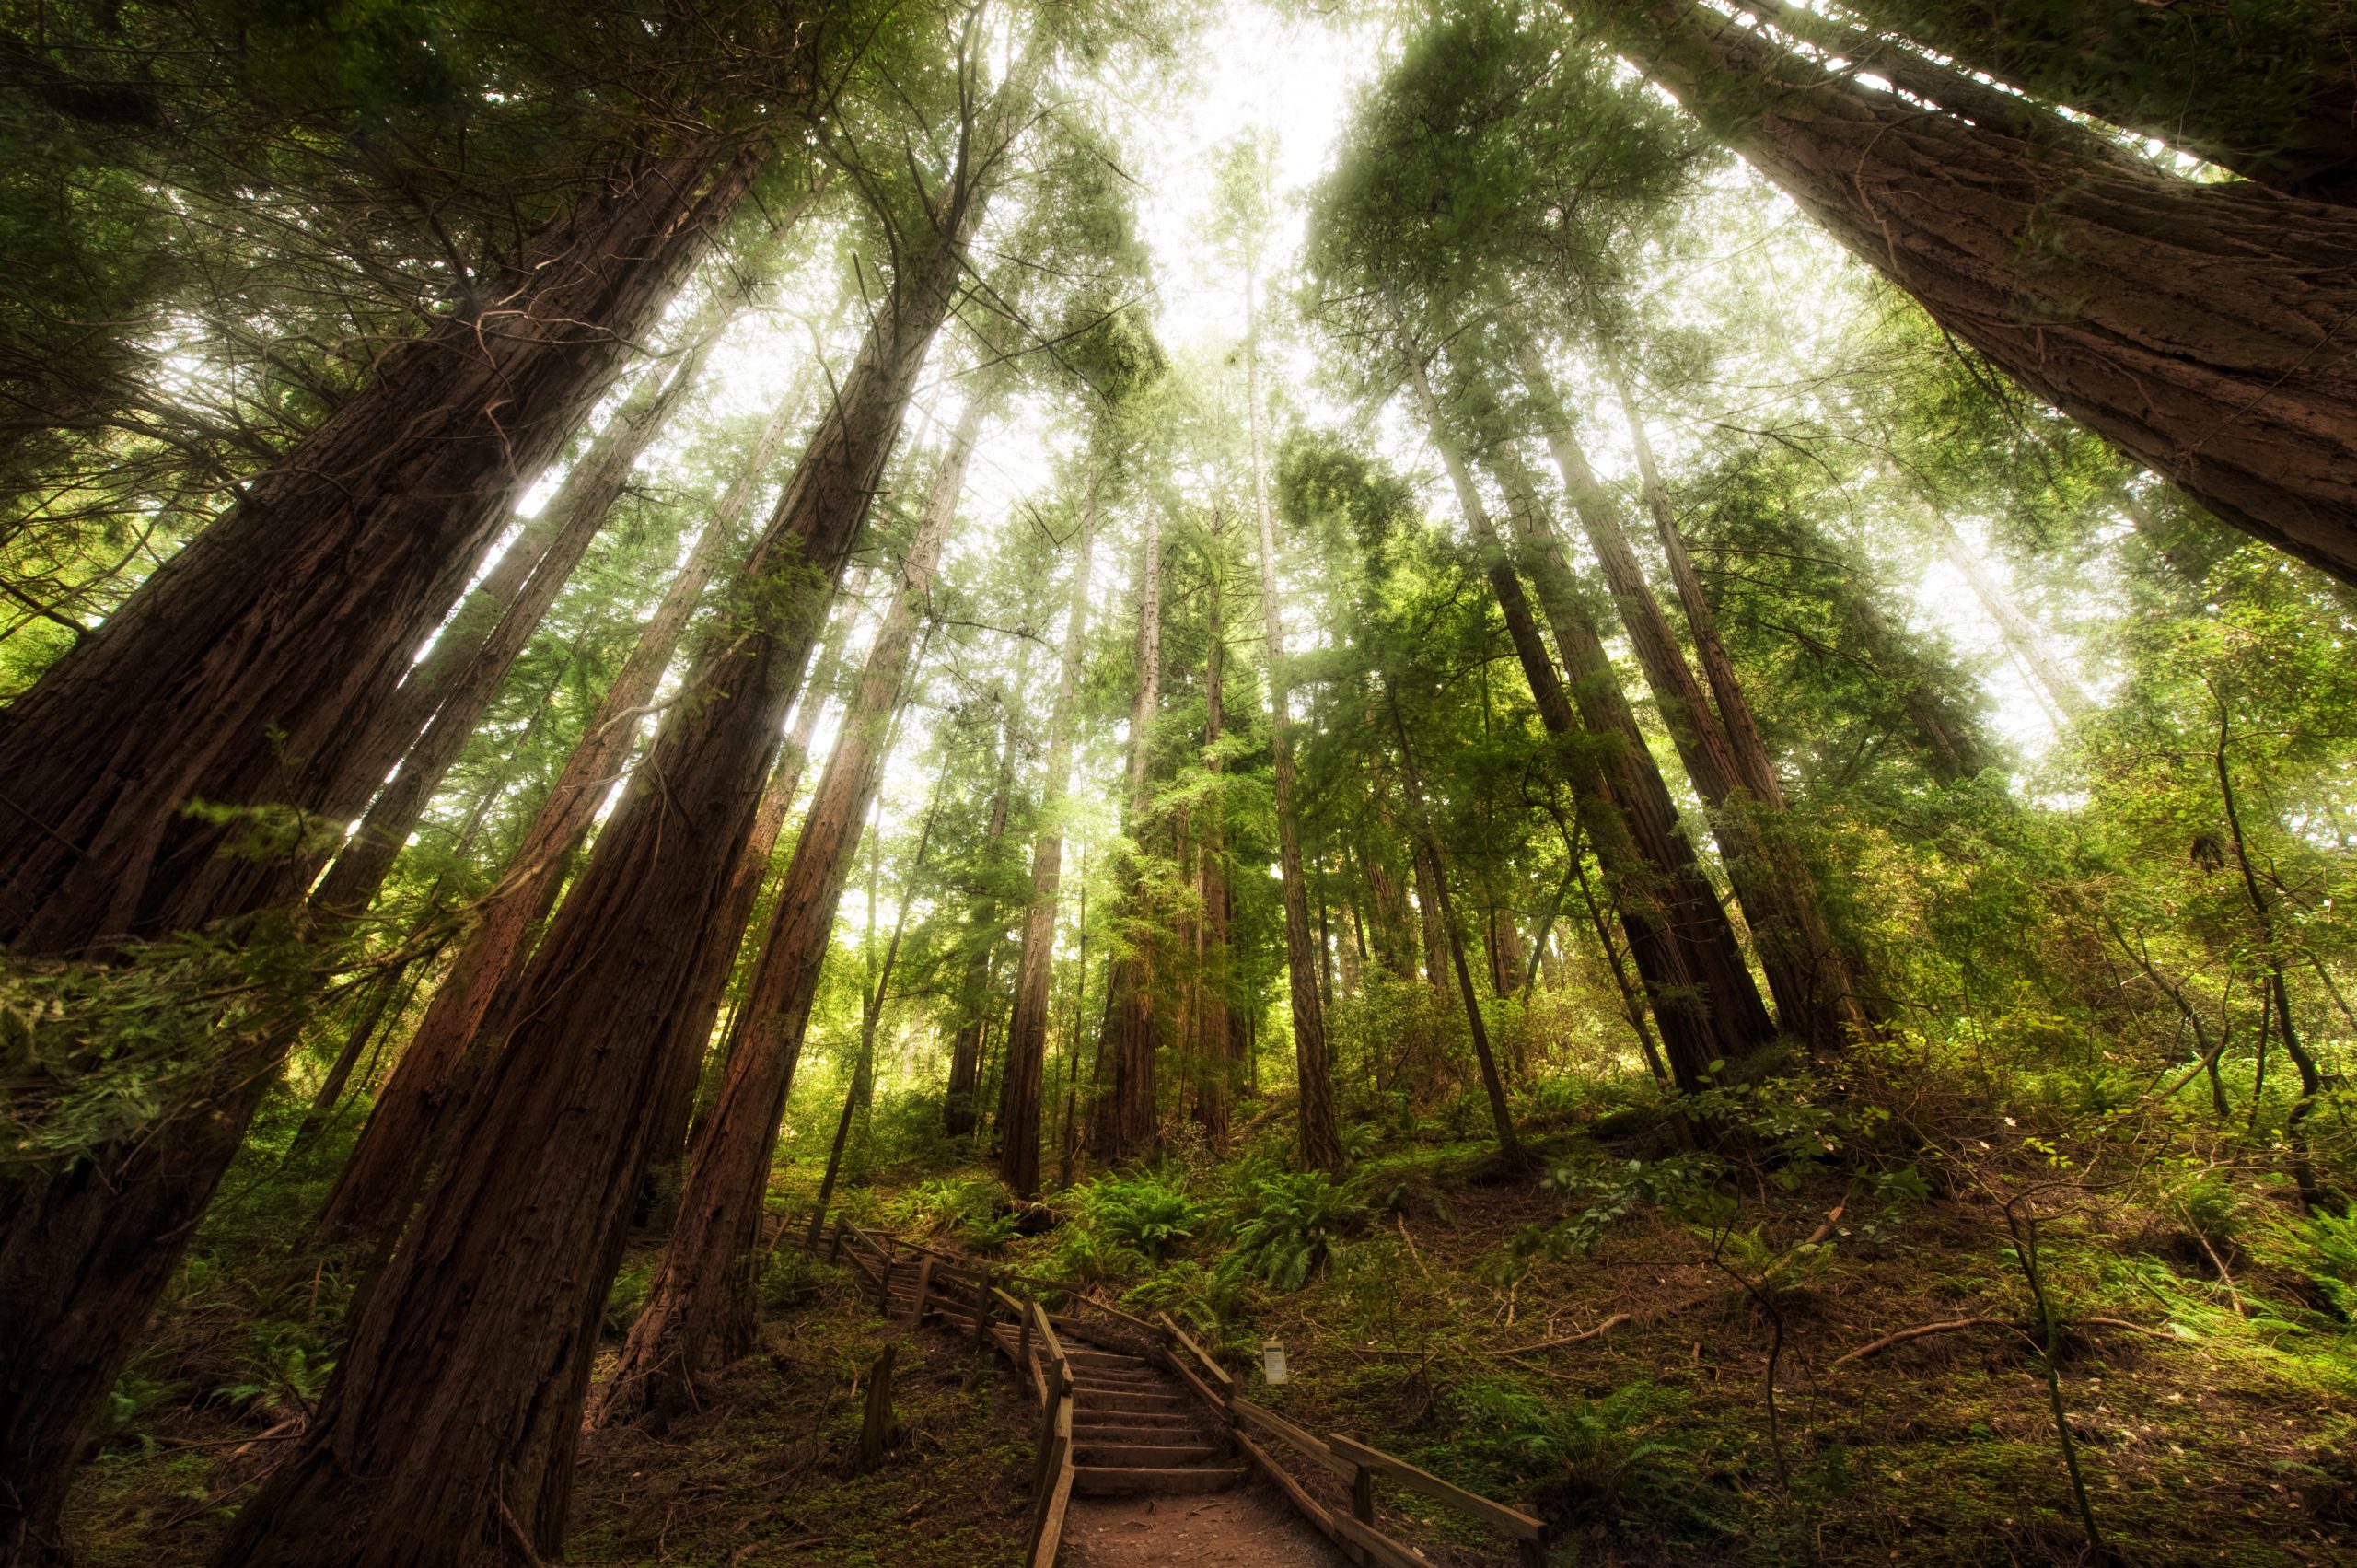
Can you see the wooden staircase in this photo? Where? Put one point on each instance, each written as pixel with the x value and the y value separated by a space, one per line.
pixel 1135 1432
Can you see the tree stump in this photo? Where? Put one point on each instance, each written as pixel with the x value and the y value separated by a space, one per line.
pixel 877 1431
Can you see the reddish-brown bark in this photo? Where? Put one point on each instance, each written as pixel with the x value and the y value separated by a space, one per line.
pixel 246 672
pixel 2200 328
pixel 582 503
pixel 251 667
pixel 451 1425
pixel 402 1137
pixel 1027 1029
pixel 1702 996
pixel 702 1303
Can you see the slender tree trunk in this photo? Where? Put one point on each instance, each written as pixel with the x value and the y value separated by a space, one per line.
pixel 2191 325
pixel 961 1109
pixel 1804 970
pixel 1702 996
pixel 1435 934
pixel 1213 1056
pixel 585 502
pixel 2022 637
pixel 454 1415
pixel 252 669
pixel 1133 1030
pixel 245 672
pixel 1435 871
pixel 403 1133
pixel 703 1300
pixel 1321 1146
pixel 1026 1034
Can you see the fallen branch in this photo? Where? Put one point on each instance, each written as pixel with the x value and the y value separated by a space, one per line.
pixel 1921 1330
pixel 1924 1330
pixel 1621 1319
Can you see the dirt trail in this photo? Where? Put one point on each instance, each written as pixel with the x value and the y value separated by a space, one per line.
pixel 1248 1527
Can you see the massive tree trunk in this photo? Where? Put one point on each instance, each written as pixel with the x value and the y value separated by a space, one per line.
pixel 2192 325
pixel 1026 1030
pixel 1321 1144
pixel 401 1138
pixel 452 1423
pixel 703 1300
pixel 242 673
pixel 252 669
pixel 584 502
pixel 1127 1125
pixel 1703 998
pixel 961 1107
pixel 1804 969
pixel 2271 97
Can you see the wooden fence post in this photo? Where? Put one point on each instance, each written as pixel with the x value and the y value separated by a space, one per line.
pixel 1363 1494
pixel 876 1426
pixel 924 1288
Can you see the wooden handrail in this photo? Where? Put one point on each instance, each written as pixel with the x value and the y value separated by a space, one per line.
pixel 1219 1374
pixel 1039 1352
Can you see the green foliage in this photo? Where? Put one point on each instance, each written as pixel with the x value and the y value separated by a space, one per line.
pixel 2330 1243
pixel 1289 1224
pixel 1586 1462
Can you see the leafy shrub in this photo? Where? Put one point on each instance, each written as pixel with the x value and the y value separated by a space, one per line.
pixel 1142 1212
pixel 1584 1463
pixel 1290 1225
pixel 2331 1247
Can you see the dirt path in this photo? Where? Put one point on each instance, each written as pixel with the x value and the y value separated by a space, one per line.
pixel 1248 1527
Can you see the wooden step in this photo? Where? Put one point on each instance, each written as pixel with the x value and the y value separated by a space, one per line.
pixel 1143 1456
pixel 1108 1480
pixel 1143 1404
pixel 1108 1428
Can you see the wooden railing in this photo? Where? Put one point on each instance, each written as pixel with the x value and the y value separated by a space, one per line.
pixel 1039 1354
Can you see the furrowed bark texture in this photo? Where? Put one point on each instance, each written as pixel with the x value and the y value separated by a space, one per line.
pixel 1027 1029
pixel 295 612
pixel 583 503
pixel 250 669
pixel 1127 1125
pixel 402 1137
pixel 2204 330
pixel 449 1433
pixel 701 1305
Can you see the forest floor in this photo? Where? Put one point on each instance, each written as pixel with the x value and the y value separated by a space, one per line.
pixel 1458 1322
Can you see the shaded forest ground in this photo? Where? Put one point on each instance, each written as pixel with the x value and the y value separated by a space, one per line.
pixel 2221 1427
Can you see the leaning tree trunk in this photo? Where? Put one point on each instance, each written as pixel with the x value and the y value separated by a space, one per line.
pixel 1026 1030
pixel 1127 1125
pixel 1703 998
pixel 250 670
pixel 703 1300
pixel 398 1141
pixel 584 502
pixel 1804 970
pixel 454 1415
pixel 1321 1143
pixel 2021 636
pixel 2191 325
pixel 244 673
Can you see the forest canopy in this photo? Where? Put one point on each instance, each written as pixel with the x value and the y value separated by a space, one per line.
pixel 1633 721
